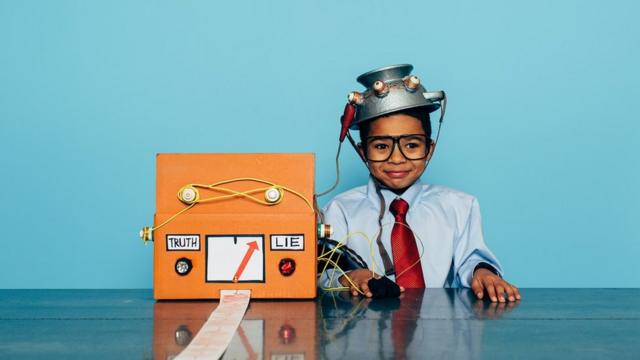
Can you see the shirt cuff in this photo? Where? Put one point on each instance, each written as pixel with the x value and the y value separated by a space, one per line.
pixel 484 265
pixel 325 280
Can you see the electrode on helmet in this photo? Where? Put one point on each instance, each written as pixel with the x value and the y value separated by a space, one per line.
pixel 411 83
pixel 380 88
pixel 355 98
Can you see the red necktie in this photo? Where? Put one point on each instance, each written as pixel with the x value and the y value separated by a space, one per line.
pixel 406 258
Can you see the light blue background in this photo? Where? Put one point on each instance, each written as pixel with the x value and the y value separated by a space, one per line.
pixel 542 122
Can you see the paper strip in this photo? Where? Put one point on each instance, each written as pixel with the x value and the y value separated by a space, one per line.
pixel 216 333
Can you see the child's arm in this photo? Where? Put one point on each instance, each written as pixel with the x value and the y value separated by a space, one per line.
pixel 357 274
pixel 473 260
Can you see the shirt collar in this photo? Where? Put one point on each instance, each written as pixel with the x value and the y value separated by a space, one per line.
pixel 410 195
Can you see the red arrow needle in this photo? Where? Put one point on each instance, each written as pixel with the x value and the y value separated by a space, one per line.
pixel 253 246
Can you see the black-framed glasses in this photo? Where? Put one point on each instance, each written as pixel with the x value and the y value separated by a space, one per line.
pixel 412 147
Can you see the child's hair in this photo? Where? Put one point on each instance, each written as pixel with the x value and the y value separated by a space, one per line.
pixel 418 113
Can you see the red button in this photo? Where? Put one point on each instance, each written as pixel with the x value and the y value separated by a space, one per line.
pixel 287 266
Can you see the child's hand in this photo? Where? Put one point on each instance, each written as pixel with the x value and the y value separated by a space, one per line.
pixel 360 278
pixel 494 285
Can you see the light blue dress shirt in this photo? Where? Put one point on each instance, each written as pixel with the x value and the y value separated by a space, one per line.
pixel 446 224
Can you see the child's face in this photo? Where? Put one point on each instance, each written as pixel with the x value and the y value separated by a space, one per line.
pixel 397 172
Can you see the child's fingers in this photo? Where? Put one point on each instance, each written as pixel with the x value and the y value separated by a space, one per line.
pixel 511 292
pixel 517 292
pixel 477 288
pixel 491 290
pixel 354 291
pixel 500 290
pixel 365 289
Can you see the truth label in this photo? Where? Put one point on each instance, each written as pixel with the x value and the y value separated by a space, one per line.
pixel 183 242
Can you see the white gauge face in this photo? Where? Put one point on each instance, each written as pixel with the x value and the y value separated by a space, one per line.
pixel 235 258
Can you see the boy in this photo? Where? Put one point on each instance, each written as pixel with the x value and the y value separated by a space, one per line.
pixel 420 235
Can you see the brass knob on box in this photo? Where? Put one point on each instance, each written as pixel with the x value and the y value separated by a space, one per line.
pixel 146 234
pixel 273 195
pixel 188 195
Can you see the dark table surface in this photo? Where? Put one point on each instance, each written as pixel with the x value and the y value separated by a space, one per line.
pixel 436 323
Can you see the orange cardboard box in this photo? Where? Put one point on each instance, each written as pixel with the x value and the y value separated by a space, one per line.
pixel 233 237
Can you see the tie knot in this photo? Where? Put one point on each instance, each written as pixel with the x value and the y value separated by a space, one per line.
pixel 399 207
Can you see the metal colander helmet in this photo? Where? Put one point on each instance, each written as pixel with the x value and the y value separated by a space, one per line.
pixel 390 89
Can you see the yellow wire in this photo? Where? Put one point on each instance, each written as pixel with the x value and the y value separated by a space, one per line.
pixel 300 196
pixel 244 194
pixel 342 242
pixel 328 256
pixel 330 253
pixel 173 217
pixel 233 193
pixel 345 320
pixel 419 257
pixel 346 276
pixel 214 185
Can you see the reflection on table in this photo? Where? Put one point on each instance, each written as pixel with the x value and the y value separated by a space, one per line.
pixel 418 324
pixel 269 329
pixel 436 323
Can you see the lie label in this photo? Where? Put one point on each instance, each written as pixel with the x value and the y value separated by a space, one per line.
pixel 290 242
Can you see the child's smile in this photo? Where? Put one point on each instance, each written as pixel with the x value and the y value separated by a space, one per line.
pixel 397 172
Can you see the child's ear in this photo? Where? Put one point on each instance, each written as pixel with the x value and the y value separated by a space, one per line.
pixel 361 150
pixel 432 148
